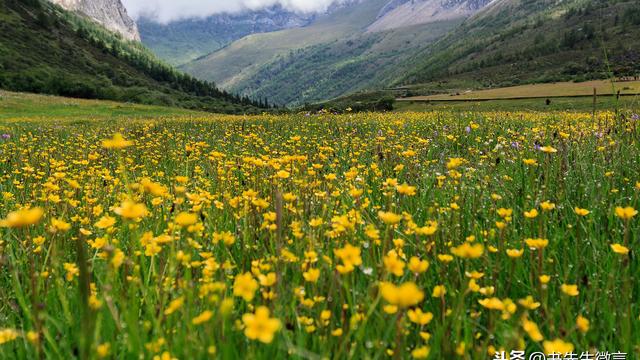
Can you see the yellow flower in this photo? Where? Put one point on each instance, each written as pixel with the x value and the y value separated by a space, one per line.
pixel 105 222
pixel 581 212
pixel 418 266
pixel 532 330
pixel 620 249
pixel 260 326
pixel 438 291
pixel 22 218
pixel 537 243
pixel 103 350
pixel 547 206
pixel 557 346
pixel 548 149
pixel 311 275
pixel 350 256
pixel 582 323
pixel 421 352
pixel 393 263
pixel 419 317
pixel 72 271
pixel 505 213
pixel 268 280
pixel 571 290
pixel 58 225
pixel 116 142
pixel 389 218
pixel 185 219
pixel 202 318
pixel 515 253
pixel 468 251
pixel 429 229
pixel 454 163
pixel 403 296
pixel 245 286
pixel 131 210
pixel 283 174
pixel 174 305
pixel 492 303
pixel 405 189
pixel 7 335
pixel 226 237
pixel 529 303
pixel 626 213
pixel 530 162
pixel 33 337
pixel 533 213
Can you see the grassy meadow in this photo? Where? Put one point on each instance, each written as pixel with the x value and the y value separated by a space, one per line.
pixel 28 107
pixel 440 235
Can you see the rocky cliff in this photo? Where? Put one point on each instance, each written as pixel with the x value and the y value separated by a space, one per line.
pixel 109 13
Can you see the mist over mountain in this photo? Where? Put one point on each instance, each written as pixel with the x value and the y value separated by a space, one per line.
pixel 182 41
pixel 166 11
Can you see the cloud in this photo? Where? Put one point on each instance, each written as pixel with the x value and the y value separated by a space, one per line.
pixel 169 10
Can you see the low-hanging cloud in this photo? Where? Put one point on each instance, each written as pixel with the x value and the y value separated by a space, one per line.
pixel 170 10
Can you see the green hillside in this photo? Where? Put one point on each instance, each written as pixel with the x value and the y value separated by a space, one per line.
pixel 334 68
pixel 242 59
pixel 44 49
pixel 526 41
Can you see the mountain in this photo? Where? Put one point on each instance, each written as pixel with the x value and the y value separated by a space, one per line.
pixel 405 47
pixel 109 13
pixel 343 66
pixel 401 13
pixel 182 41
pixel 46 49
pixel 243 58
pixel 351 47
pixel 526 41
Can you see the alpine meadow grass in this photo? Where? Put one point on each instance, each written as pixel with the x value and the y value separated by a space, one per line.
pixel 435 235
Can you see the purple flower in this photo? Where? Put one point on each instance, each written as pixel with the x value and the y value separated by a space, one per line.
pixel 467 129
pixel 635 117
pixel 6 136
pixel 515 145
pixel 537 146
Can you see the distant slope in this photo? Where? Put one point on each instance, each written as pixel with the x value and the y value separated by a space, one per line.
pixel 331 69
pixel 526 41
pixel 182 41
pixel 240 60
pixel 402 13
pixel 45 49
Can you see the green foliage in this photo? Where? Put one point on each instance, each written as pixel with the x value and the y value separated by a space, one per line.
pixel 527 42
pixel 331 69
pixel 44 49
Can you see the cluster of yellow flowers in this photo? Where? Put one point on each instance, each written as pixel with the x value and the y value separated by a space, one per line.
pixel 434 235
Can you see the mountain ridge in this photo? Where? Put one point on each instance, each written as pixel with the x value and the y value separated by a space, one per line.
pixel 48 50
pixel 109 13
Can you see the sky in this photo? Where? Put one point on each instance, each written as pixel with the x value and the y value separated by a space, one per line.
pixel 166 11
